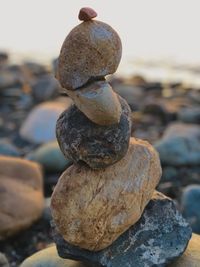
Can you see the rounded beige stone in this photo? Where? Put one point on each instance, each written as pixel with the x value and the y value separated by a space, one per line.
pixel 49 257
pixel 91 50
pixel 21 195
pixel 98 102
pixel 92 208
pixel 191 257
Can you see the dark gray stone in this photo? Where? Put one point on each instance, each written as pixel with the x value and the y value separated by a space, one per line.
pixel 50 157
pixel 45 88
pixel 160 236
pixel 180 145
pixel 190 115
pixel 35 69
pixel 190 204
pixel 8 149
pixel 99 146
pixel 132 94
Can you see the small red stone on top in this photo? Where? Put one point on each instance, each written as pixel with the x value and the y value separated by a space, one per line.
pixel 87 13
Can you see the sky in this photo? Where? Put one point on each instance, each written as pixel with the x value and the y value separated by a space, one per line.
pixel 149 29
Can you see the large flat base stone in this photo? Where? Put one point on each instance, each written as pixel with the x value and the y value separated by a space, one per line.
pixel 159 237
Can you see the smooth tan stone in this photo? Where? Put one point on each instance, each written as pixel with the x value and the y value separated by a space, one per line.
pixel 49 258
pixel 98 102
pixel 191 257
pixel 92 208
pixel 21 195
pixel 92 49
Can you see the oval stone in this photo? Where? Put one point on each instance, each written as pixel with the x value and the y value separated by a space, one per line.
pixel 98 102
pixel 92 49
pixel 99 146
pixel 92 208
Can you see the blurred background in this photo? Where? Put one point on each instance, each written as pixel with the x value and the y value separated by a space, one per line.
pixel 159 76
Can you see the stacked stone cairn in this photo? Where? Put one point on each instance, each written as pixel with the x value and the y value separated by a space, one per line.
pixel 105 209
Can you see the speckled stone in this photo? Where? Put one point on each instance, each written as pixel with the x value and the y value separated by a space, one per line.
pixel 160 236
pixel 99 146
pixel 191 257
pixel 98 102
pixel 92 49
pixel 91 208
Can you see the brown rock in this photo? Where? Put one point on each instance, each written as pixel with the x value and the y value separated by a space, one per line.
pixel 191 257
pixel 21 195
pixel 92 208
pixel 98 102
pixel 91 50
pixel 87 13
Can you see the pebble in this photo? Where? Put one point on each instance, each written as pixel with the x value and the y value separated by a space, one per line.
pixel 99 146
pixel 34 68
pixel 93 208
pixel 180 145
pixel 21 195
pixel 9 79
pixel 49 258
pixel 39 126
pixel 132 94
pixel 8 149
pixel 98 102
pixel 190 202
pixel 160 236
pixel 45 88
pixel 50 157
pixel 92 50
pixel 189 115
pixel 87 13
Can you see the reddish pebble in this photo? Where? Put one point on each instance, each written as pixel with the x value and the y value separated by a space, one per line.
pixel 87 13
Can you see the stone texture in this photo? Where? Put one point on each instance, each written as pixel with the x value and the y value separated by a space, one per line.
pixel 190 203
pixel 180 145
pixel 99 146
pixel 87 13
pixel 39 126
pixel 191 257
pixel 98 102
pixel 93 208
pixel 21 195
pixel 160 236
pixel 91 50
pixel 49 258
pixel 50 157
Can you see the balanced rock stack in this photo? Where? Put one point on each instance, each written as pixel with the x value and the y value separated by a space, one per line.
pixel 105 209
